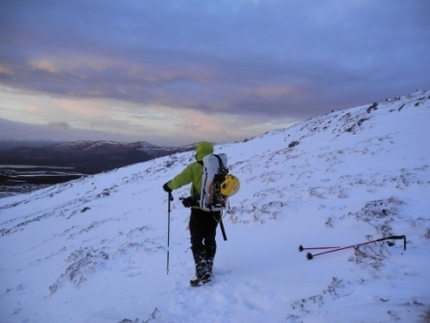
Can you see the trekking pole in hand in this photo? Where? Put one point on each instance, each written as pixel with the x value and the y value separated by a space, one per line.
pixel 170 198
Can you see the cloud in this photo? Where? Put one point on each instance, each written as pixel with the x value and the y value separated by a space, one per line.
pixel 265 60
pixel 62 125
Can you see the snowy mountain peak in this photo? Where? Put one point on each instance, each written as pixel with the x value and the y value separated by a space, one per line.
pixel 94 250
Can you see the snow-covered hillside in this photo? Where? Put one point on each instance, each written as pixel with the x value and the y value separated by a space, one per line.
pixel 94 250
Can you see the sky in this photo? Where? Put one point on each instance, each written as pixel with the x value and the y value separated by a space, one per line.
pixel 177 72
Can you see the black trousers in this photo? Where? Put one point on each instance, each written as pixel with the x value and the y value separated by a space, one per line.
pixel 203 227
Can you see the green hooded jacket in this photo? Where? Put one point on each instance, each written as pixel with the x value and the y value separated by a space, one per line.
pixel 193 172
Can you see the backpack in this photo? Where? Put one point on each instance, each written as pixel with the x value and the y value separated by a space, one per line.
pixel 215 180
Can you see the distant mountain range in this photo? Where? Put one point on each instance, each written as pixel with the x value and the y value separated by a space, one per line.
pixel 29 165
pixel 87 157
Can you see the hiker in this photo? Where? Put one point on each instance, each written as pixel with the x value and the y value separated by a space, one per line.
pixel 203 224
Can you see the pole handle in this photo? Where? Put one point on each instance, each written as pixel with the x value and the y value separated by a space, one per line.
pixel 396 238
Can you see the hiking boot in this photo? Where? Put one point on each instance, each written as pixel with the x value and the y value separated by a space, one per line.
pixel 200 281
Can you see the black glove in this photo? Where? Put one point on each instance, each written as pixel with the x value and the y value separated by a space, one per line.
pixel 188 201
pixel 166 188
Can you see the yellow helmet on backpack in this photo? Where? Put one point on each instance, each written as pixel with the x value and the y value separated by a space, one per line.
pixel 230 185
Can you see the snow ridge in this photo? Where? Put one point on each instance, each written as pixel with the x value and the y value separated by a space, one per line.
pixel 94 249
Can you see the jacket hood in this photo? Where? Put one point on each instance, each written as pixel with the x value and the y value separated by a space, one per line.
pixel 203 149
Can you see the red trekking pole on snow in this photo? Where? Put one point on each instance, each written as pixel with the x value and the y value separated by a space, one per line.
pixel 301 248
pixel 310 256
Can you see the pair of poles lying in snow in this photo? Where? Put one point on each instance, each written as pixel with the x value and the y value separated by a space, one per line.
pixel 310 256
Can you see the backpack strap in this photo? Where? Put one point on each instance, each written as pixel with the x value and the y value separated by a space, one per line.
pixel 196 195
pixel 214 171
pixel 222 170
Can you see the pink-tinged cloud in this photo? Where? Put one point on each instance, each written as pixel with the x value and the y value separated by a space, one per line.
pixel 263 60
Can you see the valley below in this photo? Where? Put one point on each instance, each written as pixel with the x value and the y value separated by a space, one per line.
pixel 17 179
pixel 25 168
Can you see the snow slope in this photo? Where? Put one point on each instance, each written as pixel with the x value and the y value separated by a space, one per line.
pixel 94 250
